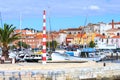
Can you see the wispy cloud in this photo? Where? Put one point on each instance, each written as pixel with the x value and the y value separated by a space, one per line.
pixel 91 7
pixel 59 7
pixel 33 9
pixel 94 7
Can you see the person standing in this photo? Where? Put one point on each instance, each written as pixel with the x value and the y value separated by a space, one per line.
pixel 12 56
pixel 2 59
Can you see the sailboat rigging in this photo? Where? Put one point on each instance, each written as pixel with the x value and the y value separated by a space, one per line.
pixel 49 31
pixel 51 46
pixel 21 32
pixel 82 32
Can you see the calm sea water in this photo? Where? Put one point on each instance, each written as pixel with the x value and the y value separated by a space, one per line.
pixel 112 61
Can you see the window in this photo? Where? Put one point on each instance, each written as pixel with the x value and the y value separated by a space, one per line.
pixel 103 34
pixel 69 32
pixel 112 41
pixel 107 41
pixel 102 40
pixel 96 41
pixel 118 34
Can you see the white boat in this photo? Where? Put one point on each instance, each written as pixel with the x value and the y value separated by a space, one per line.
pixel 87 55
pixel 33 57
pixel 95 56
pixel 56 56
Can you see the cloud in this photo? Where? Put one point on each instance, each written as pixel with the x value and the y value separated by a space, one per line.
pixel 59 7
pixel 94 7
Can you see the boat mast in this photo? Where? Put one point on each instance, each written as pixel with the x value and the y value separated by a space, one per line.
pixel 1 20
pixel 21 31
pixel 84 32
pixel 49 31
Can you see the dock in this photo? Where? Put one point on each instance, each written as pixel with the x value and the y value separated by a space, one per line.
pixel 60 71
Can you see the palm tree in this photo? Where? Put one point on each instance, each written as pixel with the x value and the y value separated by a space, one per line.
pixel 7 36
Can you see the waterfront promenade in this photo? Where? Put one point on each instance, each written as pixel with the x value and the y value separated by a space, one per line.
pixel 59 71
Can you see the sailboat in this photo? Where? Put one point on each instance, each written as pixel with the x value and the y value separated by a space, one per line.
pixel 1 26
pixel 20 56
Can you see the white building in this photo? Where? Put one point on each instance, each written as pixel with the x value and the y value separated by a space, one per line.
pixel 62 38
pixel 111 39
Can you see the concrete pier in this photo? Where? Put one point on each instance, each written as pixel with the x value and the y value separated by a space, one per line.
pixel 60 71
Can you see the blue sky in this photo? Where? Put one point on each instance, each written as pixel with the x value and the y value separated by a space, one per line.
pixel 62 13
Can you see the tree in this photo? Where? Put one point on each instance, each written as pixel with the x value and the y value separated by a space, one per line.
pixel 92 44
pixel 12 47
pixel 23 44
pixel 52 44
pixel 7 36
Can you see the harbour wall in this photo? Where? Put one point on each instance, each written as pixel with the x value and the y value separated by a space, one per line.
pixel 98 73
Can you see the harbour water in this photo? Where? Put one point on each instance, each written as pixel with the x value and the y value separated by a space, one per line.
pixel 111 61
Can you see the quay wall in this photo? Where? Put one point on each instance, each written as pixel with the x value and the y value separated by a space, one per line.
pixel 95 73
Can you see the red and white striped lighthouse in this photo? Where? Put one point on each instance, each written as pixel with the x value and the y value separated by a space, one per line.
pixel 44 39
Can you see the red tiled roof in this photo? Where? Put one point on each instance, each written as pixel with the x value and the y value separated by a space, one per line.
pixel 98 35
pixel 62 31
pixel 115 23
pixel 84 36
pixel 18 30
pixel 73 29
pixel 111 33
pixel 115 36
pixel 101 36
pixel 70 36
pixel 28 34
pixel 79 35
pixel 113 30
pixel 39 35
pixel 22 31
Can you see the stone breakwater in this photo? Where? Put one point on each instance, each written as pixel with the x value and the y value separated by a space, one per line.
pixel 60 71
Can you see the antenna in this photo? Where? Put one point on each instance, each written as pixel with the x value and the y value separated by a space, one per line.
pixel 1 20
